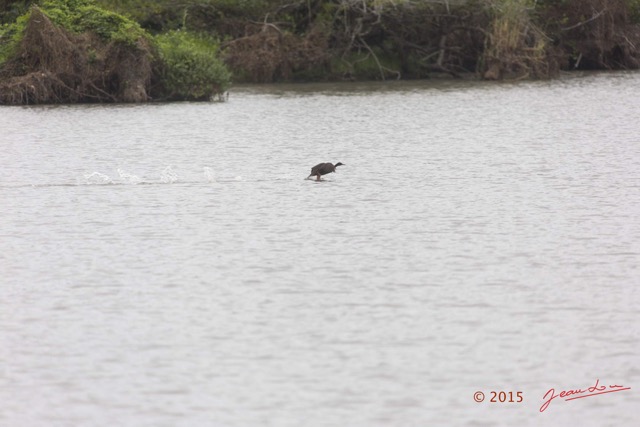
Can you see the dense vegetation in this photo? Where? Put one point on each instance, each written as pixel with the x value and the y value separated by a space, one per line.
pixel 275 40
pixel 302 40
pixel 74 51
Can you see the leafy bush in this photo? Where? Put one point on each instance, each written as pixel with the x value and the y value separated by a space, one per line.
pixel 76 16
pixel 191 68
pixel 83 15
pixel 181 65
pixel 160 16
pixel 10 36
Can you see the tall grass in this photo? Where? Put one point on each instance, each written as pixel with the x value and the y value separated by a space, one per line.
pixel 515 46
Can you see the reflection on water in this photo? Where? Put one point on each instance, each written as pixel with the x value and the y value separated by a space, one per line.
pixel 170 265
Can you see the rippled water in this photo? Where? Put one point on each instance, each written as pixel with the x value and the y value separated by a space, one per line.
pixel 168 265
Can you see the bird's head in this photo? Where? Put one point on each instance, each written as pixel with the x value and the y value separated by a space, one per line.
pixel 339 164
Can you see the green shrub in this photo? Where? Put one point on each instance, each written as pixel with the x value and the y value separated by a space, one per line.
pixel 83 15
pixel 191 68
pixel 109 25
pixel 10 36
pixel 76 16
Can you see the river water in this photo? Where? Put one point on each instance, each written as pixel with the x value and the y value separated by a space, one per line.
pixel 169 265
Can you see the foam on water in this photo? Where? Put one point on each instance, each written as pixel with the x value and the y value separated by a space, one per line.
pixel 208 174
pixel 97 178
pixel 168 175
pixel 129 178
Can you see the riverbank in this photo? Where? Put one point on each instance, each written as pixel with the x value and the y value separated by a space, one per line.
pixel 315 40
pixel 264 41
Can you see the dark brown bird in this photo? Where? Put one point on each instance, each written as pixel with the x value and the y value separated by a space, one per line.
pixel 323 169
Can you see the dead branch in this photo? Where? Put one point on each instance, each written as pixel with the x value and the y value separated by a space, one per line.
pixel 580 24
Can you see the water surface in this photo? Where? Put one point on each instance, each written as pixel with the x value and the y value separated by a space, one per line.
pixel 168 265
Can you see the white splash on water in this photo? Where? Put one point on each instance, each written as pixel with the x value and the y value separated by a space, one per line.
pixel 208 174
pixel 128 178
pixel 168 175
pixel 97 178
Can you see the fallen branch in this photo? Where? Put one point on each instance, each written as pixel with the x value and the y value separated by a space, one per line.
pixel 579 24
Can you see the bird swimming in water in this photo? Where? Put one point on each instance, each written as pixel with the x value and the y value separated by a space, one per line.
pixel 323 169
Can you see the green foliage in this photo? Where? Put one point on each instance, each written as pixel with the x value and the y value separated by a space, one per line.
pixel 162 15
pixel 83 15
pixel 76 16
pixel 110 25
pixel 11 9
pixel 10 36
pixel 188 63
pixel 191 67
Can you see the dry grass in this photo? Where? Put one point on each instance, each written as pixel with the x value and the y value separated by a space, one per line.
pixel 515 46
pixel 270 54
